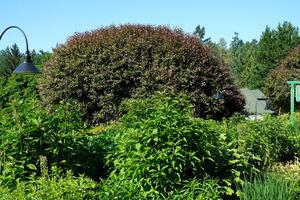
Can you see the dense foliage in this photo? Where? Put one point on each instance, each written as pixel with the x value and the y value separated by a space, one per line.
pixel 274 45
pixel 10 58
pixel 18 87
pixel 100 69
pixel 159 147
pixel 156 150
pixel 55 186
pixel 33 140
pixel 276 87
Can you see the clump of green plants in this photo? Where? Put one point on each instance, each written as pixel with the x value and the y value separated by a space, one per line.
pixel 271 140
pixel 100 69
pixel 126 188
pixel 156 150
pixel 290 171
pixel 18 87
pixel 53 186
pixel 33 140
pixel 160 145
pixel 268 187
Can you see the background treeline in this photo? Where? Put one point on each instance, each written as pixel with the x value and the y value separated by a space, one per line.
pixel 266 64
pixel 251 61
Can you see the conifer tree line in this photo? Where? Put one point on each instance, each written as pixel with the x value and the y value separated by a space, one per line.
pixel 251 61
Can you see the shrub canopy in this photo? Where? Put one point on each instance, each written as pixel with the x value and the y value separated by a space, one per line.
pixel 18 87
pixel 159 146
pixel 276 86
pixel 99 69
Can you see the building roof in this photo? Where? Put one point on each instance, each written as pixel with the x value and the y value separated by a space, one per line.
pixel 256 101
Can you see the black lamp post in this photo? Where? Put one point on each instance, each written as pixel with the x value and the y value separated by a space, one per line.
pixel 27 66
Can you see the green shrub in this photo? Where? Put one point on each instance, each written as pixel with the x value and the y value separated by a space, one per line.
pixel 125 188
pixel 33 140
pixel 18 87
pixel 54 187
pixel 201 190
pixel 102 68
pixel 161 146
pixel 271 140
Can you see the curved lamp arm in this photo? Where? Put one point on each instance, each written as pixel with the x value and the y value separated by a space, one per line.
pixel 27 66
pixel 27 54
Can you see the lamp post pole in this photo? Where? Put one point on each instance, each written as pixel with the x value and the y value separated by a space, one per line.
pixel 27 66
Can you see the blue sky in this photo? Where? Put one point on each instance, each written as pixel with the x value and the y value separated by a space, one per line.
pixel 49 22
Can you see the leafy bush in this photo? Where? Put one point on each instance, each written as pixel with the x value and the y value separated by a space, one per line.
pixel 18 87
pixel 33 140
pixel 276 87
pixel 200 190
pixel 54 187
pixel 161 146
pixel 102 68
pixel 125 188
pixel 157 150
pixel 271 140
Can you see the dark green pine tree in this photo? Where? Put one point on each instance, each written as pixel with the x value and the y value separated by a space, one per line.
pixel 10 59
pixel 235 60
pixel 287 37
pixel 273 46
pixel 250 65
pixel 200 33
pixel 266 52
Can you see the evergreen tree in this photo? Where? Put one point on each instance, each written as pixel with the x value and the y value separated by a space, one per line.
pixel 10 59
pixel 276 87
pixel 250 65
pixel 273 46
pixel 253 61
pixel 200 34
pixel 219 49
pixel 235 59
